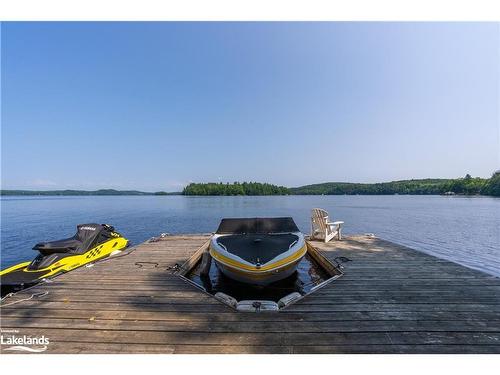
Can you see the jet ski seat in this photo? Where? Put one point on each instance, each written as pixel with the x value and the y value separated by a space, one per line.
pixel 87 236
pixel 68 245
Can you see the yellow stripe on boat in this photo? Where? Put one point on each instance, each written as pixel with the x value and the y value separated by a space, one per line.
pixel 252 269
pixel 261 275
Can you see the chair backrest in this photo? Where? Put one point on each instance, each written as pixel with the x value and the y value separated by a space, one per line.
pixel 319 218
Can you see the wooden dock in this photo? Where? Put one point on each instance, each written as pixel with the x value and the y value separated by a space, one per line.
pixel 392 299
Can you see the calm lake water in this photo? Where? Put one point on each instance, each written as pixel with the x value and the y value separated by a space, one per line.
pixel 461 229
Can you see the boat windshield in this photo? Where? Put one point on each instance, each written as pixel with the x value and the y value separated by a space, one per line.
pixel 257 225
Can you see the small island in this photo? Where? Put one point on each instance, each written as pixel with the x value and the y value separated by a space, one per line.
pixel 236 188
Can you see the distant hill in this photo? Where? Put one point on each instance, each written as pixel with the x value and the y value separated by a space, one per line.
pixel 467 185
pixel 430 186
pixel 80 192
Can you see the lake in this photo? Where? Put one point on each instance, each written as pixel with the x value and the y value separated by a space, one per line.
pixel 465 230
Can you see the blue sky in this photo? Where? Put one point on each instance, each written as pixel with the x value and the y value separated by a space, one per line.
pixel 153 106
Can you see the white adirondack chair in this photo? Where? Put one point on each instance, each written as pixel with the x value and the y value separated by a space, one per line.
pixel 322 228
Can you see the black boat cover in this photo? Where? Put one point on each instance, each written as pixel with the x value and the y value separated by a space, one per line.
pixel 257 225
pixel 258 248
pixel 87 236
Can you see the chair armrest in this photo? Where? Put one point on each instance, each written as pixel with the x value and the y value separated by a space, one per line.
pixel 336 223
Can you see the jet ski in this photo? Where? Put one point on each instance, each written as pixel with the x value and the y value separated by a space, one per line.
pixel 91 242
pixel 257 251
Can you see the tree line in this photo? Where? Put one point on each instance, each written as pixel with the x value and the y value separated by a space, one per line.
pixel 73 192
pixel 236 188
pixel 467 185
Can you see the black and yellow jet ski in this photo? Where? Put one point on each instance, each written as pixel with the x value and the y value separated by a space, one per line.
pixel 91 242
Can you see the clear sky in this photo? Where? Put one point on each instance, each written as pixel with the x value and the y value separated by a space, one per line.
pixel 153 106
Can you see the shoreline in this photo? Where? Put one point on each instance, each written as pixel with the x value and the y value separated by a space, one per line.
pixel 269 195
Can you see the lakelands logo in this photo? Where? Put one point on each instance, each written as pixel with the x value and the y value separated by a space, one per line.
pixel 11 340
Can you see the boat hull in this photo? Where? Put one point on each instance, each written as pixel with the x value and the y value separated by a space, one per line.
pixel 257 251
pixel 261 278
pixel 274 270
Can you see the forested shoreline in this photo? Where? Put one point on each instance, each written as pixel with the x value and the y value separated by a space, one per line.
pixel 463 186
pixel 459 186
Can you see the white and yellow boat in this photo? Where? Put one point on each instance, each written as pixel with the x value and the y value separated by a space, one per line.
pixel 258 251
